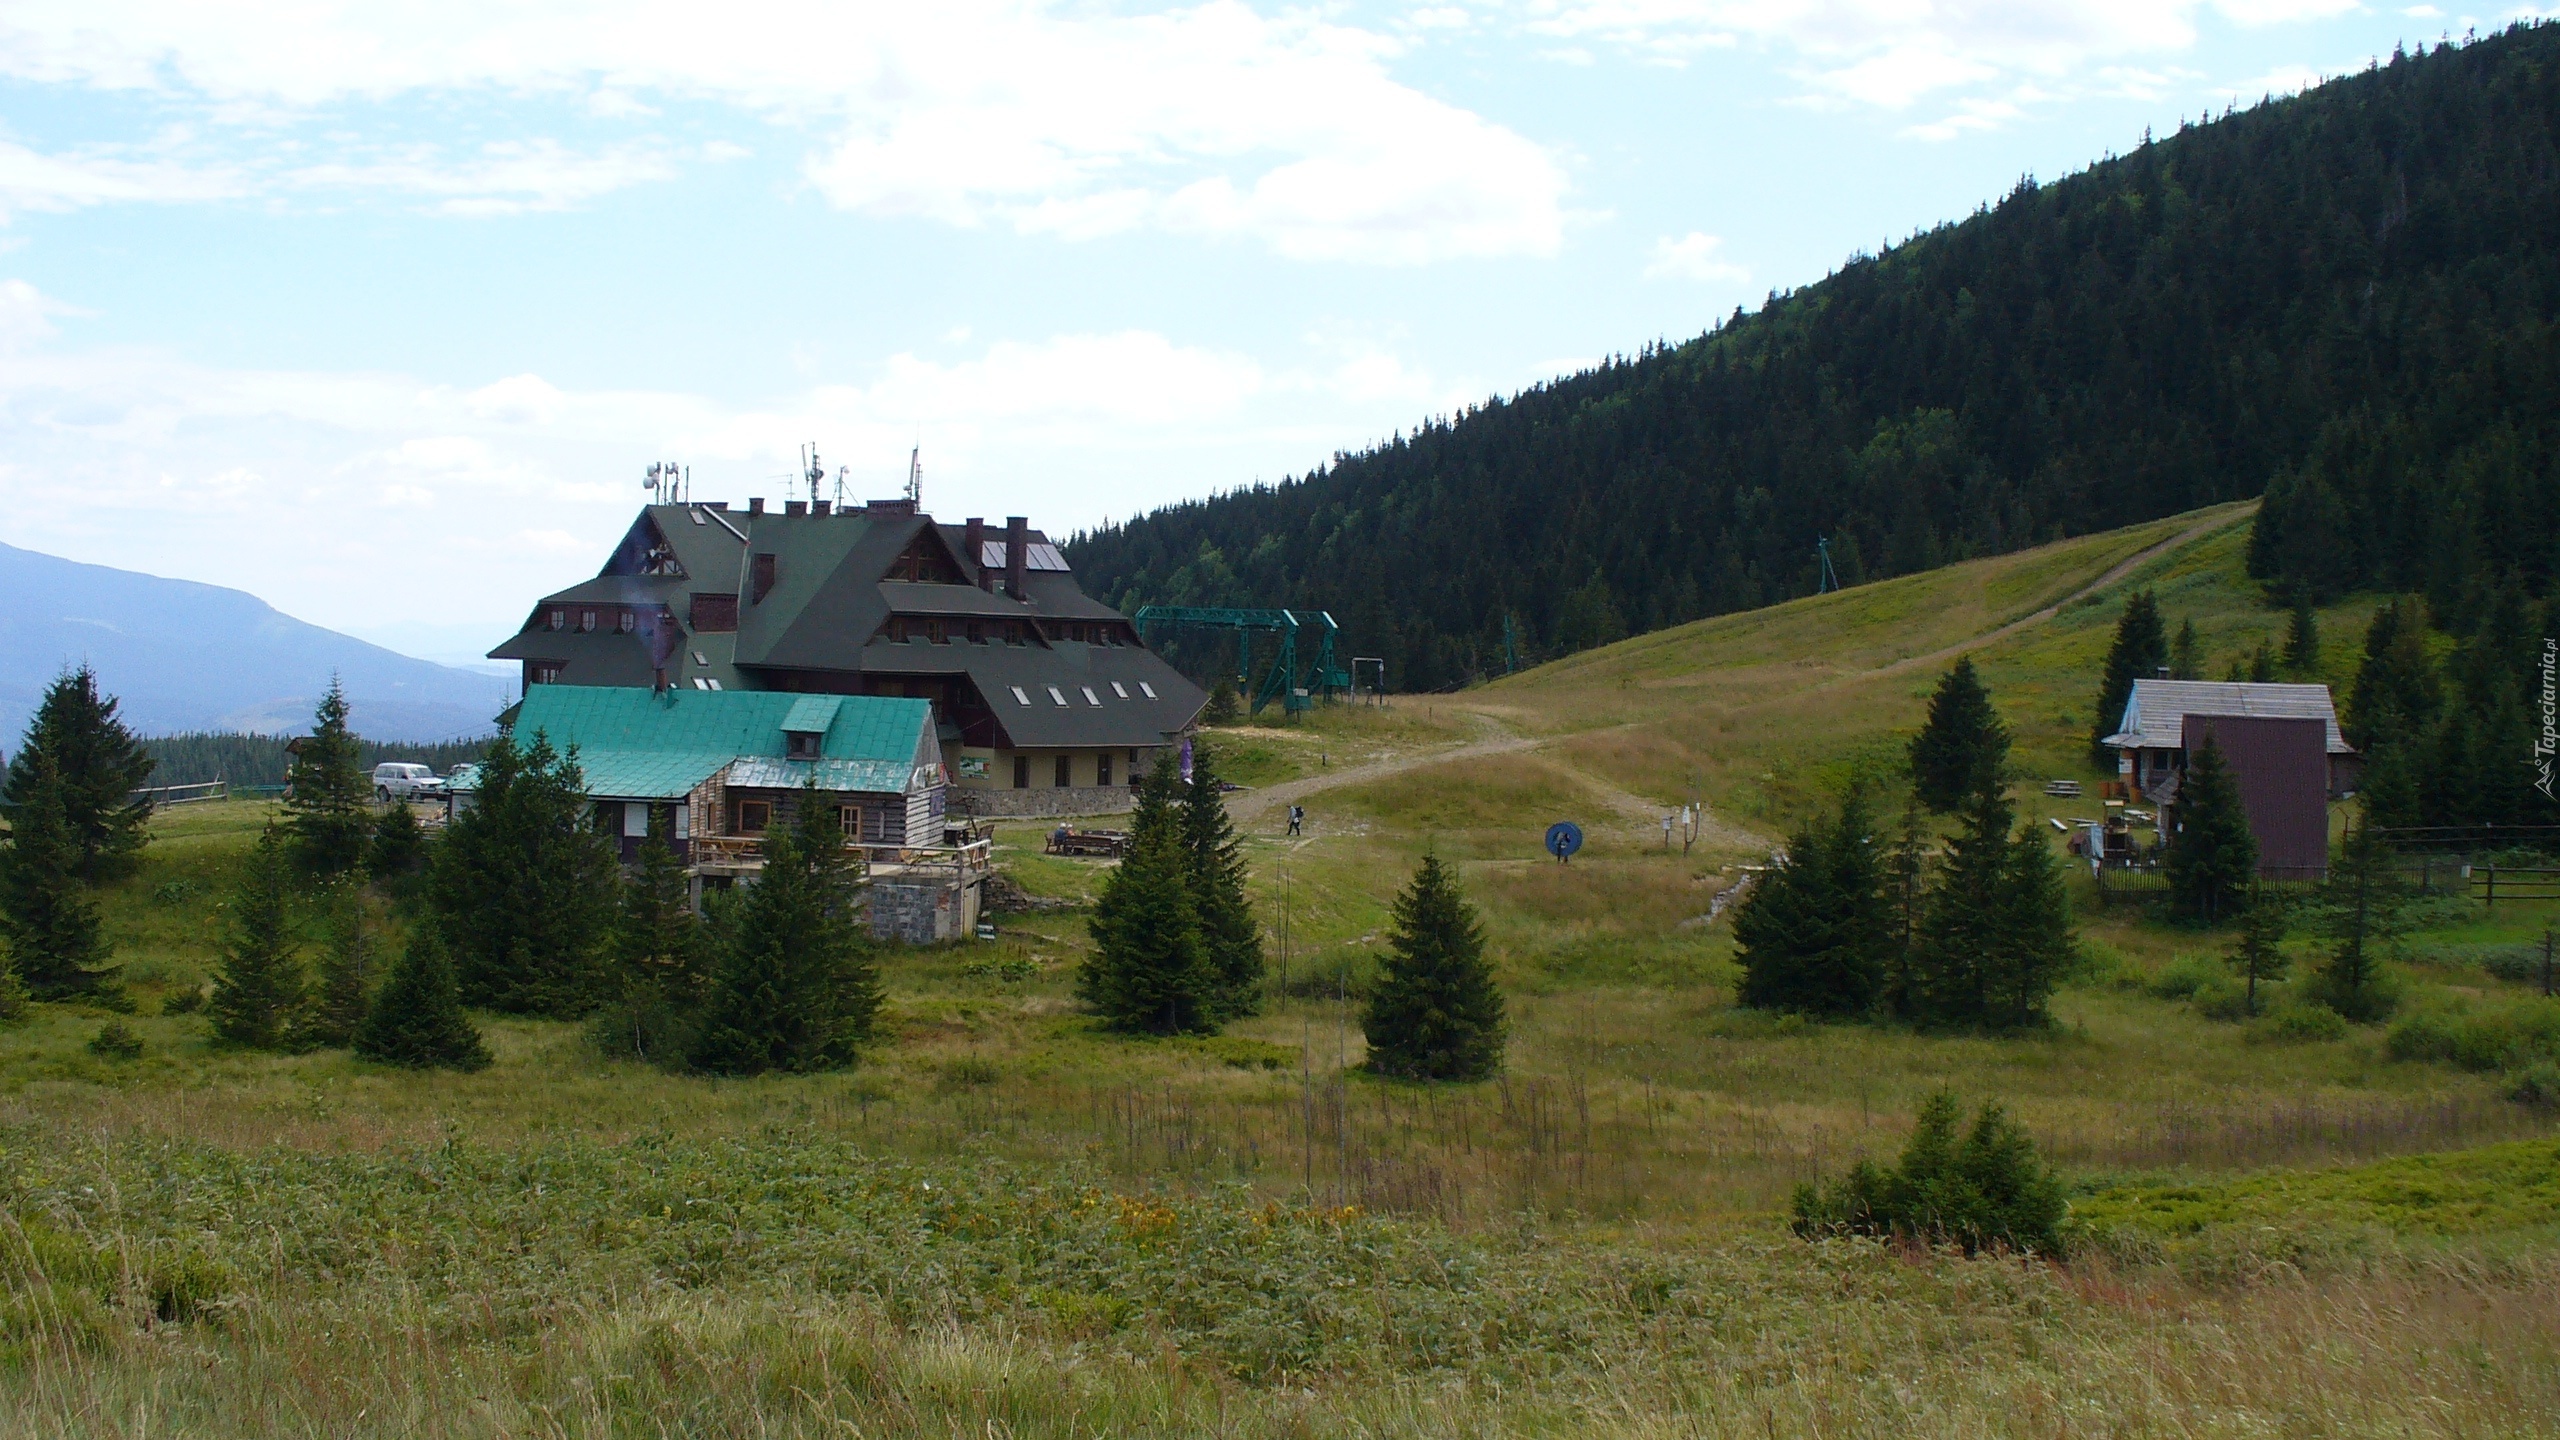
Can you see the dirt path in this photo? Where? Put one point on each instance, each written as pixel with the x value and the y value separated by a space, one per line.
pixel 1636 810
pixel 1244 805
pixel 2115 575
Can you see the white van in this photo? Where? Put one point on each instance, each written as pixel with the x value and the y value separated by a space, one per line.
pixel 393 780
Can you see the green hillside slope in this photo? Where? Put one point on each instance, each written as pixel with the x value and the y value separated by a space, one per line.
pixel 2348 294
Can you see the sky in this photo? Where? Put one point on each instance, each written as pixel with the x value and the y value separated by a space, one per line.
pixel 381 310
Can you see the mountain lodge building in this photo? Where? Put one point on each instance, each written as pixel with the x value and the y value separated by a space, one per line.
pixel 1045 701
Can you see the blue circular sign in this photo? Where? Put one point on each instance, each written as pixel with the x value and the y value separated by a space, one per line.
pixel 1563 838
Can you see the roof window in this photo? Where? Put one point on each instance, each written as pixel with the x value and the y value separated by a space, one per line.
pixel 1089 697
pixel 1022 695
pixel 1119 689
pixel 1057 694
pixel 1150 689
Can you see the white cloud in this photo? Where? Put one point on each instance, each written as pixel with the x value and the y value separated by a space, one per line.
pixel 1691 257
pixel 1211 120
pixel 347 497
pixel 33 181
pixel 1987 61
pixel 518 400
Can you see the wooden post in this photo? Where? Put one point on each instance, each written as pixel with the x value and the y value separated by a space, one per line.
pixel 2546 960
pixel 2491 893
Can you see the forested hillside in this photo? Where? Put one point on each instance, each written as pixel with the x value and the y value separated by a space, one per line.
pixel 2345 300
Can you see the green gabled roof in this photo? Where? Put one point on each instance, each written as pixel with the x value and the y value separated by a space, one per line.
pixel 812 714
pixel 601 719
pixel 645 774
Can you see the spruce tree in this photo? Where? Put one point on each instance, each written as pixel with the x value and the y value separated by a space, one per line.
pixel 1989 1189
pixel 397 850
pixel 1815 935
pixel 1229 936
pixel 2212 859
pixel 1435 1012
pixel 1963 747
pixel 2302 637
pixel 1906 899
pixel 2259 958
pixel 13 995
pixel 2035 946
pixel 2139 650
pixel 524 888
pixel 1995 936
pixel 1151 969
pixel 96 765
pixel 661 959
pixel 343 990
pixel 2262 665
pixel 798 989
pixel 258 988
pixel 417 1019
pixel 326 793
pixel 1225 707
pixel 2186 661
pixel 2365 902
pixel 46 914
pixel 2396 695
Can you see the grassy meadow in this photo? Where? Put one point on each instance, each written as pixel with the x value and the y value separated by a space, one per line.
pixel 1006 1222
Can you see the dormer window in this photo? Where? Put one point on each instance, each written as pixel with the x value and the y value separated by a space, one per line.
pixel 586 621
pixel 801 745
pixel 626 622
pixel 558 620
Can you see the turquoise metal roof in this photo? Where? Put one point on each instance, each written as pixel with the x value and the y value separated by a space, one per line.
pixel 727 723
pixel 812 714
pixel 645 774
pixel 877 776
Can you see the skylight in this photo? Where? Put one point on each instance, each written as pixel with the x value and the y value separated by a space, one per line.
pixel 1150 689
pixel 1089 697
pixel 1057 694
pixel 1020 694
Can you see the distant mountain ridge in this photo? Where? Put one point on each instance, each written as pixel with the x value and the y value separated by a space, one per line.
pixel 187 656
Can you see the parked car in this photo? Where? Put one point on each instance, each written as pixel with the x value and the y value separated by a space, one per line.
pixel 393 780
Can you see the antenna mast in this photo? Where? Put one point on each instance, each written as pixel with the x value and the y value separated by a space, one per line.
pixel 915 476
pixel 1830 580
pixel 811 469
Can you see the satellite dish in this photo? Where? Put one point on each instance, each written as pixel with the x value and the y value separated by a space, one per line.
pixel 1563 838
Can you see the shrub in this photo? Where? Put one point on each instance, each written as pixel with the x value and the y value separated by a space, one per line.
pixel 2221 999
pixel 2183 976
pixel 2298 1023
pixel 1990 1190
pixel 186 1000
pixel 2513 962
pixel 115 1040
pixel 2503 1037
pixel 2538 1085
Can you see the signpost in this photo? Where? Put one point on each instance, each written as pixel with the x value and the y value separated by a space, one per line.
pixel 1563 838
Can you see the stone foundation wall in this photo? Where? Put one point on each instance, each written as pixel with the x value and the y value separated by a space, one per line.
pixel 1043 802
pixel 923 914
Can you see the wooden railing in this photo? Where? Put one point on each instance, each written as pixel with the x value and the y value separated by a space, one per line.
pixel 185 794
pixel 744 851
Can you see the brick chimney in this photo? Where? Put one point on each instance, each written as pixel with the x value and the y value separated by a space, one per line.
pixel 975 548
pixel 755 504
pixel 1017 538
